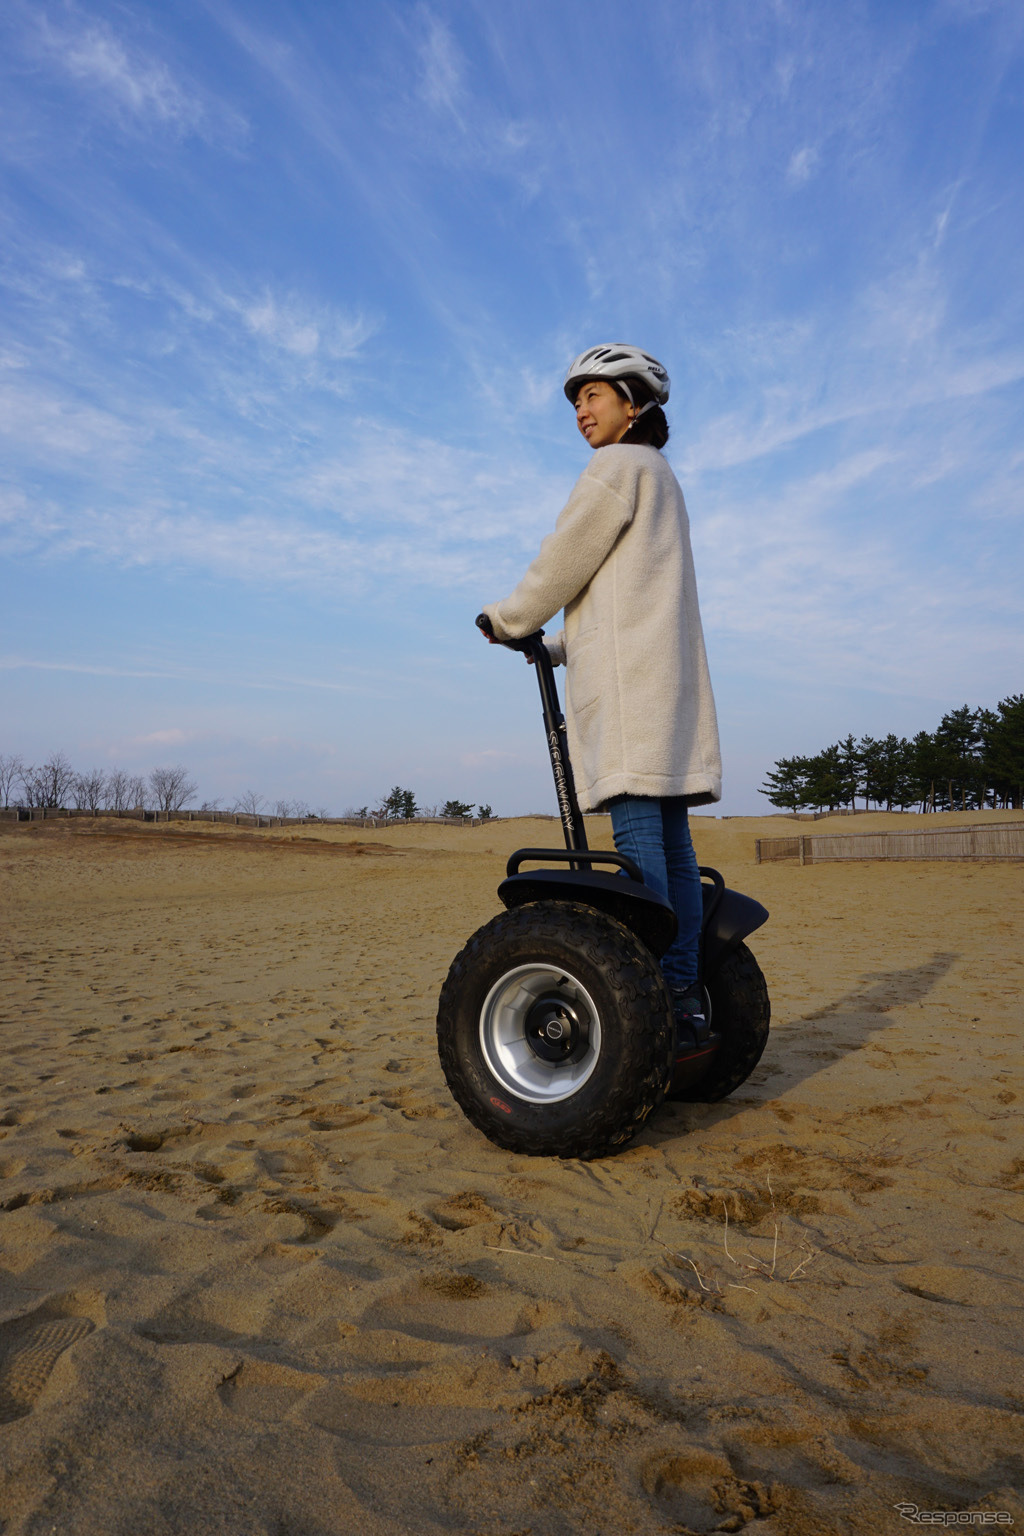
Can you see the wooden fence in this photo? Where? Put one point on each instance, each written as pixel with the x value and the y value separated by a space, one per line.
pixel 236 818
pixel 1005 841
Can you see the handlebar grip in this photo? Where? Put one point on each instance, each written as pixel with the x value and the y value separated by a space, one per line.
pixel 527 644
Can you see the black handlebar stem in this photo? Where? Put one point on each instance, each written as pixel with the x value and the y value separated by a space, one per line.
pixel 554 732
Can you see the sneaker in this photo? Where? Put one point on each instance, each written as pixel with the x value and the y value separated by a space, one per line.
pixel 690 1020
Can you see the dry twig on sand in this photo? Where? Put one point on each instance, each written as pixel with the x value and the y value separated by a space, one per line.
pixel 700 1277
pixel 523 1253
pixel 750 1262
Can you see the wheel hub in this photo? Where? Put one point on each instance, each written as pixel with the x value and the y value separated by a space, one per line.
pixel 540 1033
pixel 554 1029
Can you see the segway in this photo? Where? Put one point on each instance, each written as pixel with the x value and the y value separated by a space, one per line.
pixel 554 1025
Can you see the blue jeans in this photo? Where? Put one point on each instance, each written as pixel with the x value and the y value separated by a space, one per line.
pixel 655 834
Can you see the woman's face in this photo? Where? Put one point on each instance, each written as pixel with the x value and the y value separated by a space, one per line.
pixel 602 415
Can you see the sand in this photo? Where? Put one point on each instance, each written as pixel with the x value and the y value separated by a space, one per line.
pixel 259 1275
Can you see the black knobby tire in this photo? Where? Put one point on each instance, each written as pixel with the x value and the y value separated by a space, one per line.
pixel 740 1015
pixel 567 963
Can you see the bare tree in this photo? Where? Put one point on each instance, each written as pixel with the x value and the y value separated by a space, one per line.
pixel 50 784
pixel 283 808
pixel 115 796
pixel 250 804
pixel 11 770
pixel 300 808
pixel 125 792
pixel 171 787
pixel 90 790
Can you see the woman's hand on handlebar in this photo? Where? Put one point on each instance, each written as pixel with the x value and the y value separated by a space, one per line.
pixel 486 628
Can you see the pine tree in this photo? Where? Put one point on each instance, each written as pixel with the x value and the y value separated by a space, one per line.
pixel 826 784
pixel 400 804
pixel 1003 750
pixel 959 740
pixel 786 786
pixel 974 758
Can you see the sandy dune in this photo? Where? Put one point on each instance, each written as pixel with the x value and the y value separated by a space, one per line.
pixel 259 1275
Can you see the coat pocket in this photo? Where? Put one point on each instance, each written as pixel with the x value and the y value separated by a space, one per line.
pixel 583 680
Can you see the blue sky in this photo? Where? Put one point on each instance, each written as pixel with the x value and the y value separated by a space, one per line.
pixel 288 290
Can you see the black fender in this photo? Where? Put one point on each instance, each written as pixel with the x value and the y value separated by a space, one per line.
pixel 636 906
pixel 729 917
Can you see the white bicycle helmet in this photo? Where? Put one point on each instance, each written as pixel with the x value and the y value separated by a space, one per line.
pixel 617 361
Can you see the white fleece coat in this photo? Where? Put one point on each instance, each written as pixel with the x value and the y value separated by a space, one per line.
pixel 639 711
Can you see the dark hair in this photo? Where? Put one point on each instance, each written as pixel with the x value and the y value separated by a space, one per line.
pixel 650 429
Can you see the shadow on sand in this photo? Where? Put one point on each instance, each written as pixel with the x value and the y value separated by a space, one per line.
pixel 811 1042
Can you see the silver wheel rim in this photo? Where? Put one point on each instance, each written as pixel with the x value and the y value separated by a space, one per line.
pixel 513 1029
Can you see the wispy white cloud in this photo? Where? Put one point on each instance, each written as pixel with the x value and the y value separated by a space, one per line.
pixel 802 164
pixel 302 329
pixel 446 494
pixel 893 353
pixel 434 546
pixel 1001 497
pixel 807 584
pixel 387 170
pixel 55 423
pixel 394 510
pixel 173 737
pixel 356 680
pixel 111 367
pixel 126 79
pixel 441 64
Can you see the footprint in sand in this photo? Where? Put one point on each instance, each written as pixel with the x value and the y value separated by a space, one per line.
pixel 30 1347
pixel 698 1487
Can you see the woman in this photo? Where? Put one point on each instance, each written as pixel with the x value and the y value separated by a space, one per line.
pixel 640 714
